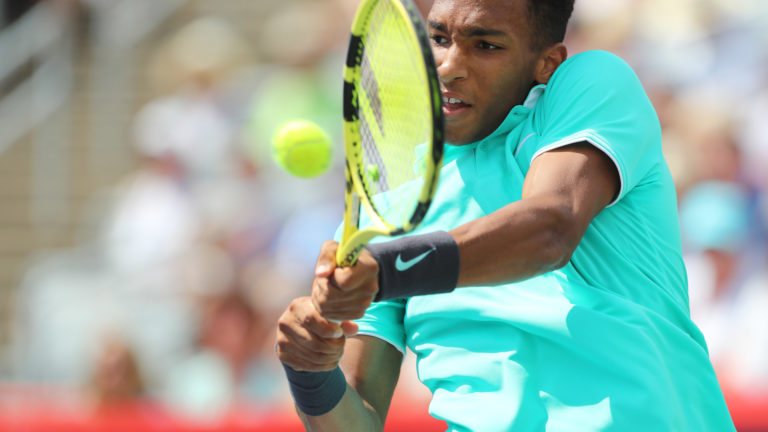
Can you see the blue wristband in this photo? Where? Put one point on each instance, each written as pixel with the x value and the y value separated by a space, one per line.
pixel 316 393
pixel 416 265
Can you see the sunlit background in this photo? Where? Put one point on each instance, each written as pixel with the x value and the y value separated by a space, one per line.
pixel 148 242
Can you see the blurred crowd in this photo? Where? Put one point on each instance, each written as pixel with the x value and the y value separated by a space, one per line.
pixel 202 246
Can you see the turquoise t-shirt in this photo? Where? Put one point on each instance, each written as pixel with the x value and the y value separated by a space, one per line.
pixel 605 343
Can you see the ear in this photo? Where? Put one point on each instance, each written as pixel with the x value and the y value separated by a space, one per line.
pixel 549 60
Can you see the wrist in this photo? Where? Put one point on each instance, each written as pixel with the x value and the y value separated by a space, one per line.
pixel 416 265
pixel 316 393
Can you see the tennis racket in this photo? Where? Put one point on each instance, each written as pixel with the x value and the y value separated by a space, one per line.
pixel 393 125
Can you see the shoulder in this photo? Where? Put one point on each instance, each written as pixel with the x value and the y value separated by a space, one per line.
pixel 596 97
pixel 597 57
pixel 594 62
pixel 595 78
pixel 593 69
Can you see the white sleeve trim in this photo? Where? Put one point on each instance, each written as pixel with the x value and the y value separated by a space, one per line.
pixel 587 136
pixel 379 336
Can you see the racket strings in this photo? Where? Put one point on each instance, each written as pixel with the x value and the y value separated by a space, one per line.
pixel 395 119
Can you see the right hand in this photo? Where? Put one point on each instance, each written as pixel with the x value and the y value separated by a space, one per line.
pixel 308 342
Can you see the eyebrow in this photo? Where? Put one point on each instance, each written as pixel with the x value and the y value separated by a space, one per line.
pixel 471 31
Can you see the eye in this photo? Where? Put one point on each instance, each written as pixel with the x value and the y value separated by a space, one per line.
pixel 488 46
pixel 438 39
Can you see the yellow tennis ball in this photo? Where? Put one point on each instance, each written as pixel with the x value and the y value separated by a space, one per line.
pixel 302 148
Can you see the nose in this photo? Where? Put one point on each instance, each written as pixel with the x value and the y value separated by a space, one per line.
pixel 451 64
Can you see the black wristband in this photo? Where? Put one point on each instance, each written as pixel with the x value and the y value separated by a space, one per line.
pixel 416 265
pixel 316 393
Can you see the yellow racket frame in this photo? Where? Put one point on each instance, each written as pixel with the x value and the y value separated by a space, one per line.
pixel 356 194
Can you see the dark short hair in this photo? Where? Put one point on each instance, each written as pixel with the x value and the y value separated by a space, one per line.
pixel 548 19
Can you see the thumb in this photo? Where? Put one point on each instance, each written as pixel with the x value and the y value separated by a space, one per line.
pixel 349 328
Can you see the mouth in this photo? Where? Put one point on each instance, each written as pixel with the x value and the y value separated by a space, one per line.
pixel 453 105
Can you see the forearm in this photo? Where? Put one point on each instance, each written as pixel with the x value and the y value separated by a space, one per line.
pixel 357 399
pixel 524 239
pixel 351 414
pixel 521 240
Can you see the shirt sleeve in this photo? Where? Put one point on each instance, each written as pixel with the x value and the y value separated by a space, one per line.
pixel 384 320
pixel 596 97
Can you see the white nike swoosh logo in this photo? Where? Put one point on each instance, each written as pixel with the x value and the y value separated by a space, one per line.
pixel 405 265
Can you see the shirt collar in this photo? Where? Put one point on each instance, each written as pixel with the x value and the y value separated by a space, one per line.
pixel 534 95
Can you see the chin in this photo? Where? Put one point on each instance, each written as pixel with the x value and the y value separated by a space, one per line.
pixel 459 140
pixel 470 133
pixel 456 139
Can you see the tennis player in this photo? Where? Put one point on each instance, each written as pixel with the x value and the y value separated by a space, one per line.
pixel 545 289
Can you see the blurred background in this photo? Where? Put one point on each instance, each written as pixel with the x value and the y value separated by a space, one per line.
pixel 148 242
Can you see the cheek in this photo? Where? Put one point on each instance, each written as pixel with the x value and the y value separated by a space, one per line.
pixel 510 90
pixel 500 94
pixel 496 98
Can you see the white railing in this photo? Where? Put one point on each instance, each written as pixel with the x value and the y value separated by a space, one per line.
pixel 39 47
pixel 42 38
pixel 118 27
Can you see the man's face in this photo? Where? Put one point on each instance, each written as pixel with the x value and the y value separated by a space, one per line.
pixel 484 60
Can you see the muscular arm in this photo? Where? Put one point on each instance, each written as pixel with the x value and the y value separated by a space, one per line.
pixel 372 368
pixel 563 191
